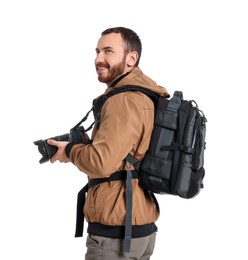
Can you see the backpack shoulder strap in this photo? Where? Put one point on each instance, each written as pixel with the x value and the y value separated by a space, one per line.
pixel 144 90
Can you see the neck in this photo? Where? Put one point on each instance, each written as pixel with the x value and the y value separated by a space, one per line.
pixel 118 79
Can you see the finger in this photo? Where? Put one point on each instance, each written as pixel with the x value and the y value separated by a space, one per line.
pixel 52 160
pixel 52 142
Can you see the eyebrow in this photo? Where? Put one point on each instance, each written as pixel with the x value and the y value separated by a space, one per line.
pixel 105 48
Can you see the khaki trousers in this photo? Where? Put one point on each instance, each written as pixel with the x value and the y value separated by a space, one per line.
pixel 104 248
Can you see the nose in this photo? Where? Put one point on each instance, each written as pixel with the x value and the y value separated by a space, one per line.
pixel 99 57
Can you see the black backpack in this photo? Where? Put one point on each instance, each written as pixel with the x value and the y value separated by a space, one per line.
pixel 174 162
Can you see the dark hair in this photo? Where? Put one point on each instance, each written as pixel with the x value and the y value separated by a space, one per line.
pixel 129 37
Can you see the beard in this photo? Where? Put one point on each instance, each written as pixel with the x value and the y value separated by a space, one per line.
pixel 113 72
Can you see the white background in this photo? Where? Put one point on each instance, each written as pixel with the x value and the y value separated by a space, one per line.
pixel 48 80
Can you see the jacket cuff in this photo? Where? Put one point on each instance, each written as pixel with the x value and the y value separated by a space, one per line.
pixel 68 149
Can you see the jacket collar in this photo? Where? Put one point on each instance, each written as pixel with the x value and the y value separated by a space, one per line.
pixel 118 79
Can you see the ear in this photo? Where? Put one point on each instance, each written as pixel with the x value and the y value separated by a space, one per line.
pixel 132 58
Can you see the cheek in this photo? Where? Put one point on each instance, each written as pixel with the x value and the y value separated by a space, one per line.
pixel 113 61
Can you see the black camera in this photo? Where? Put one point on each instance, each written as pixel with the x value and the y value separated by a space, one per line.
pixel 76 135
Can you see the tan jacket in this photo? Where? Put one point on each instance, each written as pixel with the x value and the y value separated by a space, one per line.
pixel 126 126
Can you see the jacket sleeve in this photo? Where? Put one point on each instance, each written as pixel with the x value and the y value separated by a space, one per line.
pixel 121 128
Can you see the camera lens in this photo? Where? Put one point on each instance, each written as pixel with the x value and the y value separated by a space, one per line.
pixel 47 151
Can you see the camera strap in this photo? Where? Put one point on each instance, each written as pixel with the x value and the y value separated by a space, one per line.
pixel 83 120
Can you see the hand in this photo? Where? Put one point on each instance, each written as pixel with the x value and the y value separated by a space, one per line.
pixel 60 154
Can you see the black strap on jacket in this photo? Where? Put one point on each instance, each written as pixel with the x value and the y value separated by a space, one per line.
pixel 127 175
pixel 128 220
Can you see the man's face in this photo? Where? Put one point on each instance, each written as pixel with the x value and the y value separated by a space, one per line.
pixel 111 61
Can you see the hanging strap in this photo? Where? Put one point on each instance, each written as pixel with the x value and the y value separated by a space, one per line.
pixel 80 213
pixel 128 221
pixel 120 175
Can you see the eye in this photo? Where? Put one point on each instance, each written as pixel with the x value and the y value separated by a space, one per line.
pixel 108 51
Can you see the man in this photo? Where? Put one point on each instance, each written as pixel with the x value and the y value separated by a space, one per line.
pixel 126 123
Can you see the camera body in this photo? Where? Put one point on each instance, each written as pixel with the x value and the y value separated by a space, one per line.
pixel 77 135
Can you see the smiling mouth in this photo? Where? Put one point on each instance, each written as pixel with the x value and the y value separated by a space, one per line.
pixel 101 67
